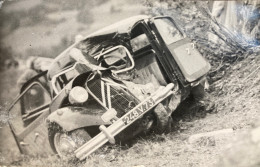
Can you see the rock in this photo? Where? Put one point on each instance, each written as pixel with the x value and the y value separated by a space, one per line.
pixel 209 138
pixel 244 151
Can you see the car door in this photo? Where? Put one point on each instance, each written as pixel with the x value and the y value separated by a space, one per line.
pixel 179 49
pixel 27 119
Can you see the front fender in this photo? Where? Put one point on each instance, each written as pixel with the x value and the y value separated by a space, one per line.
pixel 71 118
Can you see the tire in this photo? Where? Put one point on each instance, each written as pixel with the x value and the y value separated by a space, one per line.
pixel 202 98
pixel 163 120
pixel 65 143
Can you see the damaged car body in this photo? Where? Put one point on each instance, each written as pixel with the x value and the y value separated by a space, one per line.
pixel 116 83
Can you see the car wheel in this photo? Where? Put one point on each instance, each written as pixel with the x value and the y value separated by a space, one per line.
pixel 65 143
pixel 163 121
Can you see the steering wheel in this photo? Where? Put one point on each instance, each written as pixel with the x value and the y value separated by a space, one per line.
pixel 113 67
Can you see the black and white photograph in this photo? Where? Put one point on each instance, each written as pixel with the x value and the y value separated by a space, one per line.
pixel 129 83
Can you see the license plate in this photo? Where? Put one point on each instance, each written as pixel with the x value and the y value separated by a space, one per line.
pixel 134 114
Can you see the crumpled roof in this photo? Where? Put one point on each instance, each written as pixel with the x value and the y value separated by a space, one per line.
pixel 112 35
pixel 109 36
pixel 93 45
pixel 123 26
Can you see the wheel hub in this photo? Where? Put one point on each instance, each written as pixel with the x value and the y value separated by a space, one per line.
pixel 64 144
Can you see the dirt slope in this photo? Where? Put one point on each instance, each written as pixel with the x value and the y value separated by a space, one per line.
pixel 238 102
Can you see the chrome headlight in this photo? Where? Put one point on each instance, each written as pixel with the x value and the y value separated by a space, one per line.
pixel 78 95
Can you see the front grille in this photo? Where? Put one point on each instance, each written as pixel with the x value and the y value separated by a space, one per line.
pixel 119 98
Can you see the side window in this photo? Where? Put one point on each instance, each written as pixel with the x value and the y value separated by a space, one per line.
pixel 139 42
pixel 29 106
pixel 168 30
pixel 35 97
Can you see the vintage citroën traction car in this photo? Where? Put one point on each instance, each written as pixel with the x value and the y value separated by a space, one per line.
pixel 120 81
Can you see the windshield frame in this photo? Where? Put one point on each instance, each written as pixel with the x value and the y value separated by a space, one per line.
pixel 128 55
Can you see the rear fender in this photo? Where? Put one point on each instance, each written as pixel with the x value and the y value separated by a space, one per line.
pixel 71 118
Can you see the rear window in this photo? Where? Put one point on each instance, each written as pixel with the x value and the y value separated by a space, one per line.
pixel 139 42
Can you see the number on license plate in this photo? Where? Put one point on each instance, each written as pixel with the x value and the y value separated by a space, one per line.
pixel 134 114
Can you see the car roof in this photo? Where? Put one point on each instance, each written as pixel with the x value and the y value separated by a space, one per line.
pixel 123 26
pixel 92 40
